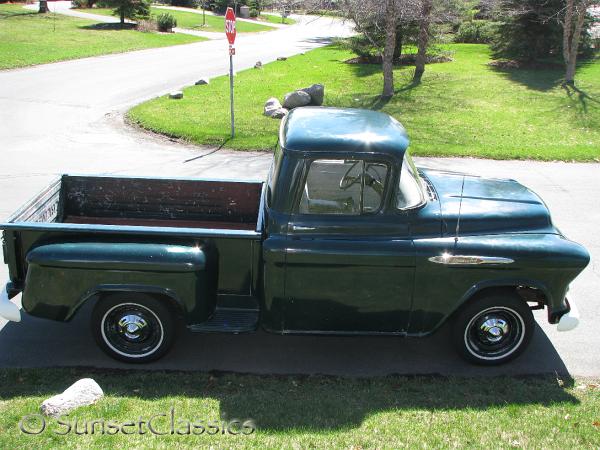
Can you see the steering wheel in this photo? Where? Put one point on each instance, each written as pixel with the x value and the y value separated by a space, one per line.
pixel 346 182
pixel 374 182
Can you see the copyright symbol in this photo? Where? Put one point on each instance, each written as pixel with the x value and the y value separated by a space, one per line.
pixel 32 424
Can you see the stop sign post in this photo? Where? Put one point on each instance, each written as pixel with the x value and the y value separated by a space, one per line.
pixel 230 32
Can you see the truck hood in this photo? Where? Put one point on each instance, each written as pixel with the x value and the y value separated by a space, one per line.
pixel 489 205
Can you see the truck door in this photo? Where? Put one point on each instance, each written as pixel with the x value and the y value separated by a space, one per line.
pixel 349 266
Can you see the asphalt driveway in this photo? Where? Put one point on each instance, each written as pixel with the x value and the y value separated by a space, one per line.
pixel 67 117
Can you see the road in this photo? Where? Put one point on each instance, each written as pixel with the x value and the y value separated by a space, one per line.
pixel 67 117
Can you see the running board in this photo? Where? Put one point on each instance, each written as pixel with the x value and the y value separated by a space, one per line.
pixel 229 320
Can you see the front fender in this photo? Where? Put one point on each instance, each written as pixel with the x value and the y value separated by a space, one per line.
pixel 547 262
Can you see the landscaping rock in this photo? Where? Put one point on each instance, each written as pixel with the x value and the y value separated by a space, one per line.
pixel 81 393
pixel 281 58
pixel 317 94
pixel 258 65
pixel 296 99
pixel 279 113
pixel 202 81
pixel 271 106
pixel 176 94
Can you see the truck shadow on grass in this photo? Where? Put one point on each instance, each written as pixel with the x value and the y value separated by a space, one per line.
pixel 289 382
pixel 280 403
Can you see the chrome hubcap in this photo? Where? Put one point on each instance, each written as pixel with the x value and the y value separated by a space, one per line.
pixel 494 329
pixel 132 326
pixel 494 333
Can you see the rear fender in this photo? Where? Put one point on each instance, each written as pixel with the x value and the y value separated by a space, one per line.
pixel 99 291
pixel 63 276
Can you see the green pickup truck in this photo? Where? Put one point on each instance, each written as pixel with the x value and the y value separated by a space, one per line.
pixel 346 237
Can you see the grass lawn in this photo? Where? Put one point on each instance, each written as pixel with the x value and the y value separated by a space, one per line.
pixel 462 108
pixel 273 18
pixel 309 411
pixel 28 38
pixel 194 21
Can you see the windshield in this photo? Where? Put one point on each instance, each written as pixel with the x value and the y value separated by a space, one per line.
pixel 410 193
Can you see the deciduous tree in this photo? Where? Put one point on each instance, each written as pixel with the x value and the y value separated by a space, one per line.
pixel 573 25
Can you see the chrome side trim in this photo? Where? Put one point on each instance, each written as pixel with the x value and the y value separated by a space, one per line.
pixel 469 259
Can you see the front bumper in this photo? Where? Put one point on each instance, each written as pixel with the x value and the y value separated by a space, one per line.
pixel 570 320
pixel 8 310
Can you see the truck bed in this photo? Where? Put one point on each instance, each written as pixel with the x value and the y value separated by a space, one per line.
pixel 146 202
pixel 226 215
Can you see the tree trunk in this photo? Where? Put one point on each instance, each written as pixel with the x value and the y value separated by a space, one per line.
pixel 399 42
pixel 122 14
pixel 388 50
pixel 573 25
pixel 43 6
pixel 423 40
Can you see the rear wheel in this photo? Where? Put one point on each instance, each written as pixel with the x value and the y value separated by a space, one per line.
pixel 133 327
pixel 493 329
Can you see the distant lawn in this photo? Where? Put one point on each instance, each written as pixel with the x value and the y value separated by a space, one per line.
pixel 193 21
pixel 462 108
pixel 273 18
pixel 28 38
pixel 306 411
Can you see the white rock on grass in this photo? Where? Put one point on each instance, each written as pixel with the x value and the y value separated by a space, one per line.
pixel 271 106
pixel 81 393
pixel 296 99
pixel 176 94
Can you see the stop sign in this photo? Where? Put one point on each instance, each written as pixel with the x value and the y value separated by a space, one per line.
pixel 230 25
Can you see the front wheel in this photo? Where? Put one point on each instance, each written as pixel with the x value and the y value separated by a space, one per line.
pixel 133 327
pixel 493 329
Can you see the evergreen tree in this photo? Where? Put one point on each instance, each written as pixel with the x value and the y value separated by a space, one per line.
pixel 529 30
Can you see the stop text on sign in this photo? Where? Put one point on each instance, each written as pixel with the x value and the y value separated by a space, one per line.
pixel 230 25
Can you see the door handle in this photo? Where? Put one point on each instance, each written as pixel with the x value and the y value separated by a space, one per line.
pixel 302 228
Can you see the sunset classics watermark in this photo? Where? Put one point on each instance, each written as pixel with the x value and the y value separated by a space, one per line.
pixel 157 424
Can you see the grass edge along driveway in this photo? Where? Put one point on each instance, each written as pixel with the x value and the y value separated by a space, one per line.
pixel 305 411
pixel 462 108
pixel 193 21
pixel 28 38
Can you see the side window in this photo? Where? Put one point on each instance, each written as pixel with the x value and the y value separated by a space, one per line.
pixel 350 187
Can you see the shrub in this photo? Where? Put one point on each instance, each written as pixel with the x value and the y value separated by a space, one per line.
pixel 184 3
pixel 166 22
pixel 83 3
pixel 361 46
pixel 476 32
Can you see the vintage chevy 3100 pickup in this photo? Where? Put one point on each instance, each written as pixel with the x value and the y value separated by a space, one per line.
pixel 347 236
